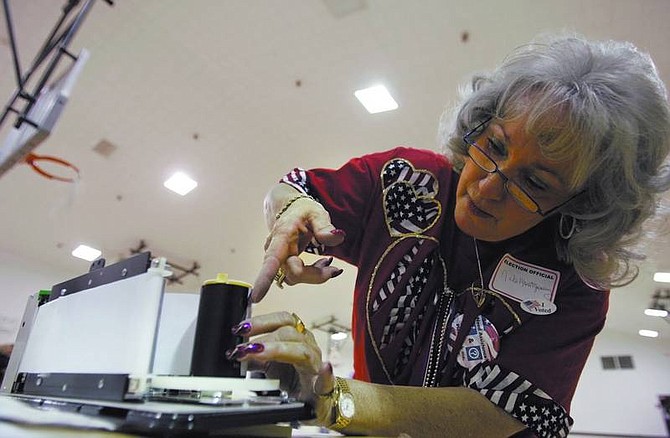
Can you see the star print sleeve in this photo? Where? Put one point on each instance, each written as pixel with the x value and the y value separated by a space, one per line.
pixel 520 398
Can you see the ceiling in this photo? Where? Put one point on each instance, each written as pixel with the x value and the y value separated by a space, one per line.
pixel 237 93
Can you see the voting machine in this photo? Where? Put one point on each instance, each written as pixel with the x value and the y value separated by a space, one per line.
pixel 112 343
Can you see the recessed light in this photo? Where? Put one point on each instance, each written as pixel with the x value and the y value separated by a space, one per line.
pixel 86 252
pixel 648 333
pixel 656 312
pixel 376 99
pixel 662 277
pixel 180 183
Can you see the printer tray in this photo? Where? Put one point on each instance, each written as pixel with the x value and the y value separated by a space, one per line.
pixel 176 419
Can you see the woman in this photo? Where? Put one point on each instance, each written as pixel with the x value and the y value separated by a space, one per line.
pixel 483 279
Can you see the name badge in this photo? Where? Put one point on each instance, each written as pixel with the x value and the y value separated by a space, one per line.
pixel 525 282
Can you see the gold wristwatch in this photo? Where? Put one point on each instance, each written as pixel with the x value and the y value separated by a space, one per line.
pixel 343 405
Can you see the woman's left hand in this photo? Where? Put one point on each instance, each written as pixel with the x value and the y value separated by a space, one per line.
pixel 286 350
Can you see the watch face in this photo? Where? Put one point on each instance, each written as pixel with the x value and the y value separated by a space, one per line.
pixel 346 404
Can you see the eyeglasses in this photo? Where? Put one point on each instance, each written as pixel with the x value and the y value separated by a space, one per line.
pixel 488 165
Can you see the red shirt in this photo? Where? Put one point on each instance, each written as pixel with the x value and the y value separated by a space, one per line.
pixel 416 275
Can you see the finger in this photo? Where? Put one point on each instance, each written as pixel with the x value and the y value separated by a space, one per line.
pixel 293 268
pixel 266 323
pixel 264 279
pixel 275 328
pixel 286 333
pixel 302 356
pixel 328 234
pixel 316 273
pixel 323 262
pixel 319 224
pixel 322 227
pixel 279 246
pixel 325 380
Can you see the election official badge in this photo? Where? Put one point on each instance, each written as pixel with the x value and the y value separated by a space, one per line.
pixel 532 286
pixel 481 344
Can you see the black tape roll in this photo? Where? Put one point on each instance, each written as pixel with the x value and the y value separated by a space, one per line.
pixel 222 306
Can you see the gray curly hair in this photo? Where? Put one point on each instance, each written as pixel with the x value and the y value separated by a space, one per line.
pixel 603 107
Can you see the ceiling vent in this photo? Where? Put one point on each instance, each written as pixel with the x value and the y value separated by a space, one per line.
pixel 105 148
pixel 342 8
pixel 617 362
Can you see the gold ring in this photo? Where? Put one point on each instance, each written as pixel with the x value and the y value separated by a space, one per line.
pixel 299 325
pixel 280 276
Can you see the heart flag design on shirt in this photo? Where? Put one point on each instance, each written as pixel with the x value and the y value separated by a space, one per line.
pixel 409 198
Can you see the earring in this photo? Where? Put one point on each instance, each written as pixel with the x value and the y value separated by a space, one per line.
pixel 567 226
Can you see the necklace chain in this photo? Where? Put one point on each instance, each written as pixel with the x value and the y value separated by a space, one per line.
pixel 479 264
pixel 478 293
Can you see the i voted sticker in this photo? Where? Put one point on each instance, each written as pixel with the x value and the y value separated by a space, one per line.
pixel 538 307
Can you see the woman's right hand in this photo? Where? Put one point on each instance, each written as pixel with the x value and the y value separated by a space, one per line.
pixel 300 221
pixel 285 349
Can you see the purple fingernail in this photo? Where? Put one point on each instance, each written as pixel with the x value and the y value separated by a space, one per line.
pixel 336 273
pixel 234 353
pixel 241 350
pixel 254 348
pixel 242 328
pixel 339 232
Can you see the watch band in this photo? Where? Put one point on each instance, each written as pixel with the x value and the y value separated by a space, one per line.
pixel 343 405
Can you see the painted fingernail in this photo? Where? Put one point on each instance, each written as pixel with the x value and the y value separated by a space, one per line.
pixel 336 273
pixel 254 348
pixel 242 350
pixel 339 232
pixel 242 328
pixel 235 353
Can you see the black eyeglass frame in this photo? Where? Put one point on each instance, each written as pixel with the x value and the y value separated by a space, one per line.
pixel 506 180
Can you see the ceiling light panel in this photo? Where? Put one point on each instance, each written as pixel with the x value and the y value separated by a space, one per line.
pixel 376 99
pixel 656 312
pixel 662 277
pixel 180 183
pixel 648 333
pixel 86 252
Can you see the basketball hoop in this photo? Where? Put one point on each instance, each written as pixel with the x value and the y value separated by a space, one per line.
pixel 34 160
